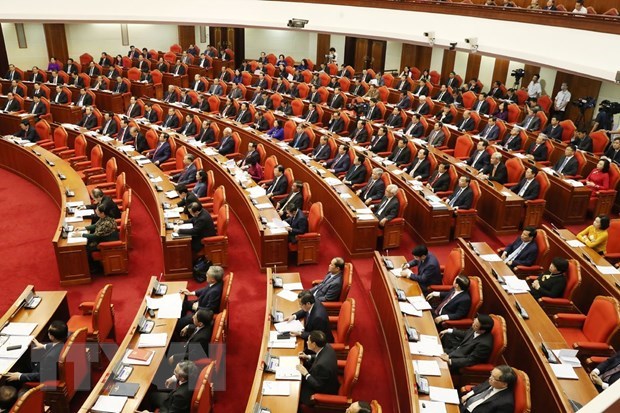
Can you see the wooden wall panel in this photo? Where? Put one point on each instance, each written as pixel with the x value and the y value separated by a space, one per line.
pixel 323 43
pixel 56 40
pixel 407 55
pixel 530 70
pixel 473 67
pixel 360 50
pixel 579 87
pixel 447 64
pixel 500 71
pixel 377 55
pixel 4 57
pixel 423 57
pixel 187 36
pixel 232 38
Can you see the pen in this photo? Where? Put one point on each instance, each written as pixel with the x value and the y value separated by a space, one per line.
pixel 159 325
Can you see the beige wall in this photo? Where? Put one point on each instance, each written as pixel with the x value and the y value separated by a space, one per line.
pixel 36 52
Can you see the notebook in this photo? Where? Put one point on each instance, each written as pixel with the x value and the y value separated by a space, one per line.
pixel 124 389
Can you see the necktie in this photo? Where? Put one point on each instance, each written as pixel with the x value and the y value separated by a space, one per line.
pixel 610 372
pixel 566 159
pixel 57 98
pixel 516 253
pixel 440 95
pixel 398 154
pixel 273 186
pixel 411 172
pixel 383 205
pixel 368 188
pixel 196 86
pixel 476 159
pixel 130 110
pixel 527 124
pixel 463 124
pixel 458 194
pixel 435 179
pixel 476 398
pixel 524 188
pixel 444 302
pixel 309 115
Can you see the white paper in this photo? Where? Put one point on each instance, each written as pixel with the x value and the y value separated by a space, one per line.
pixel 277 223
pixel 287 370
pixel 365 217
pixel 293 286
pixel 425 338
pixel 419 302
pixel 428 406
pixel 345 195
pixel 278 230
pixel 156 179
pixel 564 371
pixel 568 356
pixel 607 270
pixel 516 284
pixel 262 206
pixel 170 306
pixel 189 225
pixel 491 257
pixel 19 329
pixel 127 360
pixel 171 213
pixel 363 210
pixel 84 212
pixel 6 365
pixel 153 340
pixel 427 367
pixel 256 191
pixel 397 272
pixel 441 394
pixel 70 220
pixel 23 341
pixel 332 181
pixel 575 243
pixel 74 204
pixel 409 309
pixel 288 295
pixel 153 303
pixel 276 388
pixel 109 404
pixel 76 240
pixel 172 194
pixel 288 326
pixel 425 349
pixel 290 342
pixel 143 161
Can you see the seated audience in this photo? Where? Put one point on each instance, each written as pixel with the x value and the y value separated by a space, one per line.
pixel 465 348
pixel 297 221
pixel 523 251
pixel 329 289
pixel 595 236
pixel 494 395
pixel 553 284
pixel 453 304
pixel 182 385
pixel 319 370
pixel 428 273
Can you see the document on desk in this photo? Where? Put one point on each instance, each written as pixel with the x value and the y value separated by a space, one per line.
pixel 419 302
pixel 426 367
pixel 171 213
pixel 564 371
pixel 265 205
pixel 345 195
pixel 75 204
pixel 288 295
pixel 442 394
pixel 365 217
pixel 6 365
pixel 363 210
pixel 568 356
pixel 22 341
pixel 170 306
pixel 276 388
pixel 109 404
pixel 137 362
pixel 491 257
pixel 153 340
pixel 287 369
pixel 19 329
pixel 76 240
pixel 70 220
pixel 256 191
pixel 293 286
pixel 409 309
pixel 331 181
pixel 143 162
pixel 172 194
pixel 422 348
pixel 290 342
pixel 188 225
pixel 515 285
pixel 288 326
pixel 84 212
pixel 575 243
pixel 156 180
pixel 427 406
pixel 607 270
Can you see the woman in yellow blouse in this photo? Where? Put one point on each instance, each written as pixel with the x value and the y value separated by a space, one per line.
pixel 595 236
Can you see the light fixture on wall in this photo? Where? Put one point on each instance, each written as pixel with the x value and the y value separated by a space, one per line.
pixel 431 38
pixel 453 46
pixel 473 44
pixel 21 36
pixel 297 23
pixel 203 33
pixel 124 35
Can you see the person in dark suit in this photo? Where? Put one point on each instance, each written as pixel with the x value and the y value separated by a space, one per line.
pixel 330 287
pixel 121 87
pixel 298 223
pixel 395 120
pixel 104 60
pixel 403 84
pixel 216 88
pixel 582 141
pixel 71 67
pixel 315 315
pixel 163 151
pixel 437 136
pixel 187 197
pixel 612 154
pixel 553 284
pixel 124 133
pixel 387 209
pixel 320 370
pixel 419 169
pixel 465 348
pixel 554 130
pixel 567 164
pixel 244 116
pixel 15 89
pixel 98 84
pixel 178 69
pixel 528 188
pixel 493 396
pixel 379 142
pixel 171 95
pixel 453 81
pixel 341 161
pixel 401 154
pixel 445 116
pixel 46 356
pixel 11 105
pixel 171 121
pixel 188 174
pixel 429 272
pixel 198 335
pixel 76 80
pixel 208 297
pixel 439 181
pixel 92 69
pixel 314 96
pixel 110 207
pixel 37 108
pixel 491 131
pixel 523 251
pixel 281 87
pixel 453 304
pixel 421 89
pixel 480 158
pixel 227 144
pixel 322 151
pixel 606 373
pixel 38 91
pixel 531 122
pixel 336 102
pixel 202 226
pixel 495 170
pixel 444 96
pixel 301 140
pixel 108 128
pixel 463 196
pixel 26 131
pixel 149 114
pixel 251 155
pixel 374 189
pixel 295 197
pixel 481 106
pixel 84 99
pixel 423 107
pixel 537 151
pixel 404 103
pixel 467 123
pixel 202 104
pixel 312 115
pixel 89 120
pixel 189 127
pixel 360 133
pixel 415 128
pixel 12 74
pixel 373 112
pixel 279 184
pixel 112 73
pixel 138 140
pixel 178 400
pixel 496 91
pixel 185 99
pixel 513 141
pixel 55 79
pixel 356 173
pixel 336 123
pixel 206 133
pixel 229 110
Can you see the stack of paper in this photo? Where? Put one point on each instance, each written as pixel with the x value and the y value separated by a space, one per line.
pixel 425 348
pixel 409 309
pixel 427 406
pixel 19 329
pixel 515 285
pixel 276 388
pixel 172 194
pixel 419 302
pixel 109 404
pixel 171 213
pixel 22 341
pixel 332 181
pixel 290 342
pixel 256 191
pixel 287 369
pixel 188 225
pixel 427 367
pixel 127 360
pixel 74 204
pixel 491 257
pixel 288 295
pixel 365 217
pixel 575 243
pixel 564 371
pixel 607 270
pixel 288 326
pixel 265 205
pixel 153 340
pixel 568 356
pixel 293 286
pixel 143 161
pixel 440 394
pixel 84 212
pixel 170 306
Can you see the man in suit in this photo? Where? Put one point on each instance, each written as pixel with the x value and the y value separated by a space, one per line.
pixel 229 110
pixel 388 208
pixel 437 136
pixel 244 115
pixel 76 80
pixel 250 156
pixel 297 221
pixel 336 102
pixel 341 161
pixel 312 116
pixel 208 297
pixel 415 129
pixel 170 96
pixel 38 91
pixel 37 108
pixel 178 400
pixel 202 226
pixel 99 84
pixel 512 142
pixel 84 99
pixel 401 154
pixel 89 120
pixel 356 173
pixel 178 69
pixel 99 198
pixel 301 140
pixel 187 197
pixel 531 122
pixel 445 116
pixel 606 373
pixel 423 106
pixel 171 121
pixel 281 87
pixel 12 74
pixel 314 96
pixel 567 164
pixel 523 251
pixel 112 73
pixel 551 285
pixel 491 131
pixel 537 151
pixel 379 143
pixel 162 152
pixel 206 133
pixel 356 88
pixel 44 357
pixel 440 179
pixel 336 123
pixel 322 151
pixel 203 61
pixel 453 304
pixel 185 98
pixel 315 314
pixel 124 133
pixel 360 133
pixel 582 141
pixel 227 144
pixel 55 79
pixel 235 92
pixel 373 112
pixel 493 396
pixel 15 89
pixel 330 287
pixel 92 69
pixel 395 120
pixel 215 88
pixel 467 123
pixel 374 189
pixel 444 95
pixel 109 125
pixel 149 114
pixel 188 174
pixel 257 98
pixel 612 154
pixel 189 127
pixel 198 336
pixel 279 184
pixel 295 197
pixel 26 131
pixel 496 91
pixel 320 369
pixel 103 60
pixel 121 87
pixel 404 103
pixel 481 106
pixel 429 272
pixel 421 89
pixel 419 169
pixel 554 130
pixel 495 170
pixel 528 188
pixel 453 81
pixel 11 105
pixel 138 140
pixel 465 348
pixel 133 53
pixel 463 196
pixel 201 104
pixel 403 84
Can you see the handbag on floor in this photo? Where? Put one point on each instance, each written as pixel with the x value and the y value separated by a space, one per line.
pixel 200 269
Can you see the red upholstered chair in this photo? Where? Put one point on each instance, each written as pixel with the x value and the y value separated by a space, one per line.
pixel 392 230
pixel 175 48
pixel 337 403
pixel 613 248
pixel 475 292
pixel 480 372
pixel 384 92
pixel 388 79
pixel 116 192
pixel 31 401
pixel 611 12
pixel 218 201
pixel 453 267
pixel 568 130
pixel 210 187
pixel 94 165
pixel 133 74
pixel 599 142
pixel 59 143
pixel 465 219
pixel 100 178
pixel 513 113
pixel 215 248
pixel 97 317
pixel 515 171
pixel 462 148
pixel 535 208
pixel 564 304
pixel 332 68
pixel 44 131
pixel 202 398
pixel 591 334
pixel 545 103
pixel 270 163
pixel 333 307
pixel 602 201
pixel 226 288
pixel 308 244
pixel 469 98
pixel 175 165
pixel 78 151
pixel 344 322
pixel 522 96
pixel 113 255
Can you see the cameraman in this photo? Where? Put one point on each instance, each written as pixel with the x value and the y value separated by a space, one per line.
pixel 604 119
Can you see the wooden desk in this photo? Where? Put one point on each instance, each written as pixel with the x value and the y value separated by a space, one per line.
pixel 178 80
pixel 391 322
pixel 63 113
pixel 108 101
pixel 9 122
pixel 276 404
pixel 141 374
pixel 524 336
pixel 139 89
pixel 72 259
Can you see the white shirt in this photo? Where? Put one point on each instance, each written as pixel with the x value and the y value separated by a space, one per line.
pixel 490 394
pixel 562 99
pixel 534 90
pixel 583 10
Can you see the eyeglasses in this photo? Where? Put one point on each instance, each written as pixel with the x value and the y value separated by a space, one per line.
pixel 494 379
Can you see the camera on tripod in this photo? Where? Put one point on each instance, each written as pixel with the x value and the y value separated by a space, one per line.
pixel 585 103
pixel 517 74
pixel 610 107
